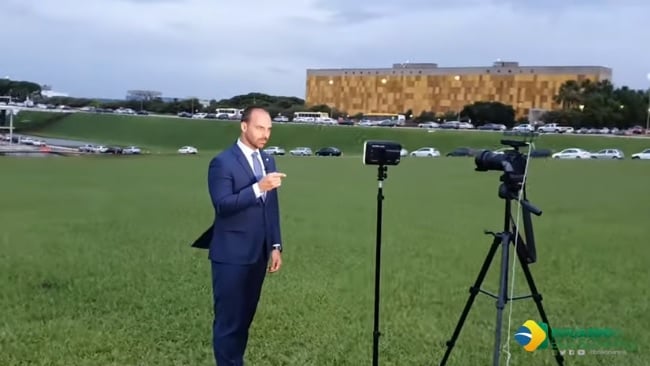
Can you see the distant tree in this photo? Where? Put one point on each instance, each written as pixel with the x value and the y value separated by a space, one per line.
pixel 598 104
pixel 489 112
pixel 426 116
pixel 19 89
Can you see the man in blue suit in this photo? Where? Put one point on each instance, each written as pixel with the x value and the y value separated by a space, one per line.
pixel 243 184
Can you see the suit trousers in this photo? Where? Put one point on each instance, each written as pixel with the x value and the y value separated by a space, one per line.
pixel 236 291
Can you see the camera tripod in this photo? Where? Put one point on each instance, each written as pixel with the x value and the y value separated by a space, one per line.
pixel 381 175
pixel 503 240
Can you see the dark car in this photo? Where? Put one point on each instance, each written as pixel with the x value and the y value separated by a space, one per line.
pixel 492 127
pixel 450 125
pixel 541 153
pixel 113 150
pixel 328 151
pixel 461 151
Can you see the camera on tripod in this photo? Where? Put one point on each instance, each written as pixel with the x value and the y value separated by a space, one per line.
pixel 514 166
pixel 511 162
pixel 381 153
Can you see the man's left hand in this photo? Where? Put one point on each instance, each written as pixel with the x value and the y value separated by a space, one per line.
pixel 276 261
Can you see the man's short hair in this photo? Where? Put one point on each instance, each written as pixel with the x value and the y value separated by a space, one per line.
pixel 248 112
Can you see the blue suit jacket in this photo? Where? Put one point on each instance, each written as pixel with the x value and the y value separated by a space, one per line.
pixel 244 226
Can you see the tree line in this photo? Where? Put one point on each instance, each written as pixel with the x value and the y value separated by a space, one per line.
pixel 599 104
pixel 579 104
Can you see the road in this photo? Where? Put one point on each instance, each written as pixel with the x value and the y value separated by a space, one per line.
pixel 59 142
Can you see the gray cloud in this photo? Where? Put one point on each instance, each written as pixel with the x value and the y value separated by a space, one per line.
pixel 217 49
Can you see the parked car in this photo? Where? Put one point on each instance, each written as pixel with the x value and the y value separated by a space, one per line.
pixel 554 128
pixel 428 125
pixel 426 152
pixel 541 153
pixel 643 155
pixel 461 151
pixel 608 154
pixel 113 150
pixel 572 153
pixel 328 151
pixel 526 127
pixel 450 125
pixel 131 150
pixel 86 148
pixel 301 151
pixel 493 127
pixel 188 150
pixel 274 150
pixel 502 150
pixel 100 149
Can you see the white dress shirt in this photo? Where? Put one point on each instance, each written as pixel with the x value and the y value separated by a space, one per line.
pixel 248 153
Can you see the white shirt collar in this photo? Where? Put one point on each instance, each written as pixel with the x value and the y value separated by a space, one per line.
pixel 245 149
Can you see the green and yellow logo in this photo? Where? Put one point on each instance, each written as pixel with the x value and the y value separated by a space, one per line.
pixel 532 335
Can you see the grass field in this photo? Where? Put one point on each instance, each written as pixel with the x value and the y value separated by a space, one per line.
pixel 160 134
pixel 97 269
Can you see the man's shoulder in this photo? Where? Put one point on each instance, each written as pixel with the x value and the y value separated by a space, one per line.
pixel 223 157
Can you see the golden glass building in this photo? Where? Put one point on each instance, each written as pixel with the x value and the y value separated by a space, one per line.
pixel 426 87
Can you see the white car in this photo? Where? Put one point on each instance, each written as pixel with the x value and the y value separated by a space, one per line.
pixel 524 128
pixel 572 153
pixel 503 150
pixel 428 125
pixel 643 155
pixel 608 154
pixel 274 150
pixel 301 151
pixel 131 150
pixel 100 149
pixel 403 152
pixel 26 140
pixel 426 152
pixel 188 150
pixel 86 148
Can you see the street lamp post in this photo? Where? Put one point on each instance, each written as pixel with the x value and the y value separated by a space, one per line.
pixel 647 118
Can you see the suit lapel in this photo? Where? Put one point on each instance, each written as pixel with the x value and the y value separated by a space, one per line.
pixel 266 160
pixel 239 155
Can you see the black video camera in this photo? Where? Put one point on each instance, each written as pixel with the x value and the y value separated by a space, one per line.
pixel 381 153
pixel 509 162
pixel 513 165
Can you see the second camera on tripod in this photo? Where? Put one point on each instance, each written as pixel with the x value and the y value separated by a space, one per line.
pixel 381 152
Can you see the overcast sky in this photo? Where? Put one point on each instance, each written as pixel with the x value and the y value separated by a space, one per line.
pixel 218 48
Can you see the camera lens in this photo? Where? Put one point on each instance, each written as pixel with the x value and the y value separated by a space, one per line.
pixel 487 160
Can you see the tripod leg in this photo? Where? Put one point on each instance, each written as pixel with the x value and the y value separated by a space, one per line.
pixel 537 297
pixel 502 298
pixel 375 333
pixel 474 290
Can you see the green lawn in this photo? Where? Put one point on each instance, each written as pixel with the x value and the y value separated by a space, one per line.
pixel 96 267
